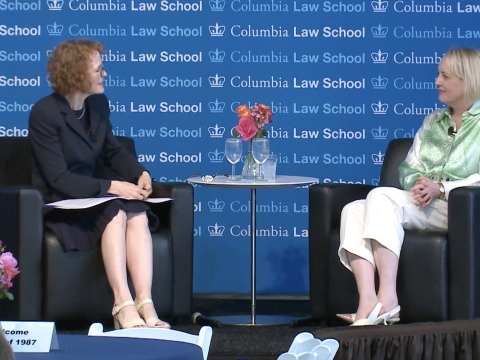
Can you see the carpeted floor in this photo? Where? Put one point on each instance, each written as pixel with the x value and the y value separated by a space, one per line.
pixel 241 341
pixel 261 342
pixel 250 342
pixel 446 340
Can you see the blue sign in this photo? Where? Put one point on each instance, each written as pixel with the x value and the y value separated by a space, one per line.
pixel 343 77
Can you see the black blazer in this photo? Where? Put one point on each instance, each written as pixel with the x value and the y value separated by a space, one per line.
pixel 64 157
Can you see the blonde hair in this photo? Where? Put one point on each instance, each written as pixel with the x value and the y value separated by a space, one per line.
pixel 464 63
pixel 68 65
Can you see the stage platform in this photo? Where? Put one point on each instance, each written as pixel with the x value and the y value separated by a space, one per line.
pixel 448 340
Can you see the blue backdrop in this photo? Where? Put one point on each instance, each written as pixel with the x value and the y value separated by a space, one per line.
pixel 343 78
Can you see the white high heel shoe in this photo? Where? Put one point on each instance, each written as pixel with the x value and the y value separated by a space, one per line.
pixel 373 318
pixel 350 318
pixel 347 317
pixel 388 320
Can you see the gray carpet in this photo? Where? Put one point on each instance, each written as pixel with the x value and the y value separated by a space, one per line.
pixel 248 341
pixel 241 341
pixel 238 342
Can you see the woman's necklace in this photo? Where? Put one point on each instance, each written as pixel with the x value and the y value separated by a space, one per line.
pixel 85 122
pixel 83 112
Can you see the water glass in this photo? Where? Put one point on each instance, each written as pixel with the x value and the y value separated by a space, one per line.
pixel 260 149
pixel 270 167
pixel 233 153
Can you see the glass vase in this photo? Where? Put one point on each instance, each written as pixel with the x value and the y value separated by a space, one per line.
pixel 250 167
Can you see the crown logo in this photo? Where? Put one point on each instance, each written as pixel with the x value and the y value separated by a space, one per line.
pixel 48 79
pixel 216 56
pixel 216 30
pixel 379 5
pixel 216 230
pixel 216 156
pixel 216 131
pixel 379 108
pixel 216 107
pixel 378 158
pixel 55 30
pixel 379 31
pixel 379 134
pixel 217 5
pixel 375 182
pixel 54 4
pixel 379 83
pixel 216 81
pixel 216 206
pixel 379 57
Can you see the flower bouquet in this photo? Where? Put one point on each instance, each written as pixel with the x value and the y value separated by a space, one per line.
pixel 8 270
pixel 251 125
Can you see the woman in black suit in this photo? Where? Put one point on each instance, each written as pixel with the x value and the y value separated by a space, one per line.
pixel 69 131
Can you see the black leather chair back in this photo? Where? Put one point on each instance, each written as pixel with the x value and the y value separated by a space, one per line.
pixel 395 154
pixel 15 161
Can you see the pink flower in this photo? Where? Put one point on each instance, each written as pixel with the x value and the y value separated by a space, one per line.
pixel 9 264
pixel 252 121
pixel 246 128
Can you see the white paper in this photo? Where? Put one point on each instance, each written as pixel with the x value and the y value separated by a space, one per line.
pixel 31 337
pixel 89 202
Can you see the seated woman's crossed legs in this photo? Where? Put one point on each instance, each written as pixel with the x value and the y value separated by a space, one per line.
pixel 371 237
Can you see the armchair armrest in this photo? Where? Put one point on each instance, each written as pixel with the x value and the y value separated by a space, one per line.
pixel 464 252
pixel 21 229
pixel 177 217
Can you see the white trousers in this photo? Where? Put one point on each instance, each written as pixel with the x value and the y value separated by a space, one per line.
pixel 383 216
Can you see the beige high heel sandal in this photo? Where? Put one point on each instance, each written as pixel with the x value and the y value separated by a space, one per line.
pixel 152 320
pixel 130 324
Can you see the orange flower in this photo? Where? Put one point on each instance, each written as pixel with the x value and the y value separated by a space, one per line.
pixel 243 110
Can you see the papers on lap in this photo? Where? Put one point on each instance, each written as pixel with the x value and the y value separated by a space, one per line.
pixel 89 202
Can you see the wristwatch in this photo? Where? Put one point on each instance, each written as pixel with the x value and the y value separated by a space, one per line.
pixel 441 188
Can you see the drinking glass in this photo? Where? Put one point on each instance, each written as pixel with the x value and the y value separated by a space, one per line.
pixel 260 149
pixel 270 167
pixel 233 153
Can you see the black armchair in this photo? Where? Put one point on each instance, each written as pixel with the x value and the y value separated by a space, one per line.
pixel 72 286
pixel 439 272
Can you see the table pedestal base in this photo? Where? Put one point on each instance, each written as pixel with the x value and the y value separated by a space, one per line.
pixel 242 320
